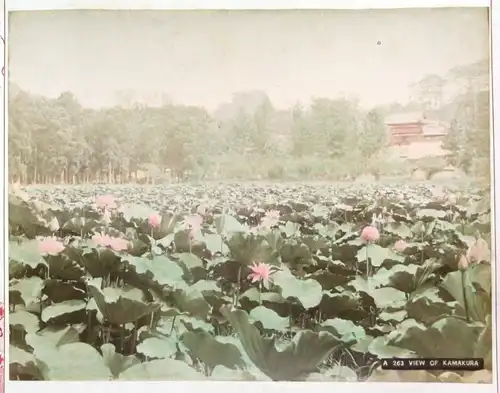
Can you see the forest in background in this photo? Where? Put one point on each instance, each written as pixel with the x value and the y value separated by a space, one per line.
pixel 58 141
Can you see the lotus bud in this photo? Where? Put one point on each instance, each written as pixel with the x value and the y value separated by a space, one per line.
pixel 463 263
pixel 106 217
pixel 400 246
pixel 54 224
pixel 479 251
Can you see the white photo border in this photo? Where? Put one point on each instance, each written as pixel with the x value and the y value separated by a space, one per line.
pixel 251 387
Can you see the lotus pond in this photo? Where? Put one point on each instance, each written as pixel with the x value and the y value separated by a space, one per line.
pixel 101 291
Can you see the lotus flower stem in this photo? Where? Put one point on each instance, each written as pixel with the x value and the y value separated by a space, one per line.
pixel 108 336
pixel 464 292
pixel 89 325
pixel 134 338
pixel 151 321
pixel 152 254
pixel 422 252
pixel 238 280
pixel 122 337
pixel 173 325
pixel 367 264
pixel 260 293
pixel 208 369
pixel 346 351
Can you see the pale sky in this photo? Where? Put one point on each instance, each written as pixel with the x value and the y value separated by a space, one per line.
pixel 202 57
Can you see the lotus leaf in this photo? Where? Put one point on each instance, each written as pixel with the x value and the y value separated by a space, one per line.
pixel 302 356
pixel 179 304
pixel 121 305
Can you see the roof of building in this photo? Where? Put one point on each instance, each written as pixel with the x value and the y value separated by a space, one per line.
pixel 407 117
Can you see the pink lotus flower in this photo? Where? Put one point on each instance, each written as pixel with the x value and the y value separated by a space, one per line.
pixel 463 262
pixel 105 202
pixel 50 245
pixel 479 251
pixel 101 240
pixel 400 246
pixel 154 220
pixel 115 243
pixel 193 224
pixel 260 272
pixel 118 244
pixel 370 234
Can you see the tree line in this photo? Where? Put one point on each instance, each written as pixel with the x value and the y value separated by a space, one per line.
pixel 57 140
pixel 60 141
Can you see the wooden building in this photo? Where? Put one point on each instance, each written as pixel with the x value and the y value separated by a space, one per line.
pixel 416 138
pixel 407 128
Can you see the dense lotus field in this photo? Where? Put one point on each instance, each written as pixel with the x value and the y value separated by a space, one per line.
pixel 247 282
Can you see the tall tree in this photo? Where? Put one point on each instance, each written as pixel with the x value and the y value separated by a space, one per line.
pixel 429 91
pixel 372 137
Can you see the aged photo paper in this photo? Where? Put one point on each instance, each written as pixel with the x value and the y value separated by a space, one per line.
pixel 260 195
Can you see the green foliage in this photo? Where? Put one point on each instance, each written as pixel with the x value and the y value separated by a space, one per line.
pixel 59 141
pixel 56 140
pixel 175 306
pixel 469 136
pixel 373 136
